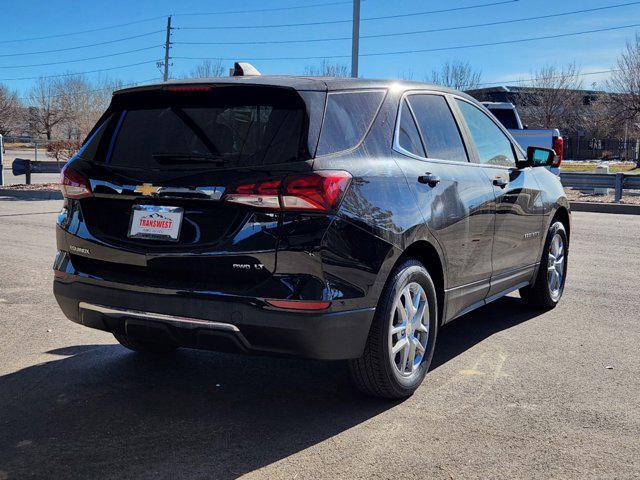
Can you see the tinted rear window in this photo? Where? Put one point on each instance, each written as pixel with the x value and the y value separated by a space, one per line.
pixel 226 127
pixel 347 119
pixel 506 117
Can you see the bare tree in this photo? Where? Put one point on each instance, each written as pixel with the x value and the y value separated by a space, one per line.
pixel 458 75
pixel 80 103
pixel 597 120
pixel 9 110
pixel 406 74
pixel 45 111
pixel 103 92
pixel 553 99
pixel 327 69
pixel 625 86
pixel 207 69
pixel 75 98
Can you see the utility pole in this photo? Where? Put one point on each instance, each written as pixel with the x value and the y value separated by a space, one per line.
pixel 355 39
pixel 167 46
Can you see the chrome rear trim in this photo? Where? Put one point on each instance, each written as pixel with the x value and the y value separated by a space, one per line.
pixel 183 322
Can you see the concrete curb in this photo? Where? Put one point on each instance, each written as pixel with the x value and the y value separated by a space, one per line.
pixel 30 194
pixel 620 208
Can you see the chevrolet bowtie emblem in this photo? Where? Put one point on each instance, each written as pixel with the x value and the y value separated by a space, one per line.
pixel 146 189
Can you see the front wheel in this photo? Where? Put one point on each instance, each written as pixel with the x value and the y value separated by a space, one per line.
pixel 402 338
pixel 547 289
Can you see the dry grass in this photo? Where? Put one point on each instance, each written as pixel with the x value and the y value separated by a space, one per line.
pixel 590 167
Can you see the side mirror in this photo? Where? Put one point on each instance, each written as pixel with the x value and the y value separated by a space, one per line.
pixel 525 127
pixel 538 157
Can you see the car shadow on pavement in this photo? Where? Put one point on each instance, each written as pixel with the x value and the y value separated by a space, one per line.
pixel 472 328
pixel 103 412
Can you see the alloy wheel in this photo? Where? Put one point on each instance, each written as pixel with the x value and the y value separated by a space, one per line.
pixel 556 266
pixel 409 329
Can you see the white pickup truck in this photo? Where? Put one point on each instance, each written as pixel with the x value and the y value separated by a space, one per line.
pixel 507 114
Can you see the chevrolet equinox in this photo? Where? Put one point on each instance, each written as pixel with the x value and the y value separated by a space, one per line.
pixel 327 218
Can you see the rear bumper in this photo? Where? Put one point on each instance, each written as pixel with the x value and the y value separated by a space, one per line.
pixel 215 322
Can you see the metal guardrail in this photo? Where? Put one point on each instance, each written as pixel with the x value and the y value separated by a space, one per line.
pixel 21 166
pixel 618 181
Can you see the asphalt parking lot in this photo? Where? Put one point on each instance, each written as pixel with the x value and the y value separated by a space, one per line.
pixel 512 393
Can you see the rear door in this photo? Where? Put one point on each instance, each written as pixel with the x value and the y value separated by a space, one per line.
pixel 456 200
pixel 167 158
pixel 518 227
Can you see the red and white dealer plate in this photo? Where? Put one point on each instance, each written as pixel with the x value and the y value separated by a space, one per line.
pixel 156 222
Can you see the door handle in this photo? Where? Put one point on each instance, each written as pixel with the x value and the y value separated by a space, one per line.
pixel 430 179
pixel 500 182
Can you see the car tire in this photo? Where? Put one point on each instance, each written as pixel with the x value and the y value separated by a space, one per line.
pixel 378 372
pixel 544 293
pixel 144 347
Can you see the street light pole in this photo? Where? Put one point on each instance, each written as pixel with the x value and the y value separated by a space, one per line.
pixel 355 39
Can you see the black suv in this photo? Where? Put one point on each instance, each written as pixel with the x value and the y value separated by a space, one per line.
pixel 326 218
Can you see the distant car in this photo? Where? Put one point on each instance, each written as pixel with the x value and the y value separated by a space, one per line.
pixel 324 218
pixel 508 115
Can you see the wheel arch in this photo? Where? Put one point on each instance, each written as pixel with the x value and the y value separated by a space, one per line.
pixel 427 254
pixel 562 215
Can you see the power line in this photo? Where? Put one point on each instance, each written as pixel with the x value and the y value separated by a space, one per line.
pixel 257 10
pixel 77 47
pixel 529 80
pixel 81 59
pixel 416 32
pixel 150 19
pixel 424 50
pixel 80 32
pixel 364 19
pixel 71 74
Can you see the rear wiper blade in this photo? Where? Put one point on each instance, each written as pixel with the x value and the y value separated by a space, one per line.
pixel 171 158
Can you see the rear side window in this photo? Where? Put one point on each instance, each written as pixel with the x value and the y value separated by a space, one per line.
pixel 347 119
pixel 439 130
pixel 494 147
pixel 408 136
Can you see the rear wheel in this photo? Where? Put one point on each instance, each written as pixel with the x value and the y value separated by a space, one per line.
pixel 402 336
pixel 547 289
pixel 144 347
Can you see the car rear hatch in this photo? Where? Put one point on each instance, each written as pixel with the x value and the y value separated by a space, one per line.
pixel 182 180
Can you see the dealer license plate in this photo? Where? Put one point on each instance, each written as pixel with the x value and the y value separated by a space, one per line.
pixel 155 222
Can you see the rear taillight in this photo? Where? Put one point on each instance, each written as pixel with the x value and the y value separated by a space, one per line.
pixel 72 184
pixel 322 190
pixel 264 194
pixel 558 147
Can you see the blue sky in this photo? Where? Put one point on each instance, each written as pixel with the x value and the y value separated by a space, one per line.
pixel 592 52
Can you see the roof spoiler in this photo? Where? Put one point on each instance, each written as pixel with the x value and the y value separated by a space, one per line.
pixel 244 69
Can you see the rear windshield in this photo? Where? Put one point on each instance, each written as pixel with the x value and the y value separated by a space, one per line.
pixel 506 118
pixel 225 127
